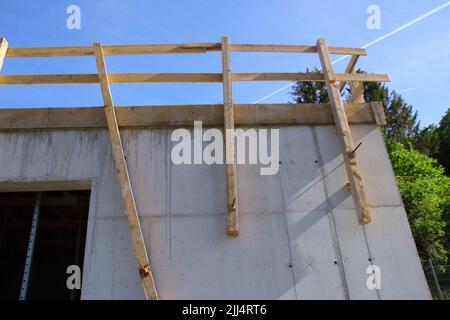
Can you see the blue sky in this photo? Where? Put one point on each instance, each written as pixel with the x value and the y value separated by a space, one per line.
pixel 417 59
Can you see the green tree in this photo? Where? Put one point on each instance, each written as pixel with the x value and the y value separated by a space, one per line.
pixel 402 122
pixel 425 193
pixel 310 91
pixel 434 141
pixel 443 154
pixel 427 141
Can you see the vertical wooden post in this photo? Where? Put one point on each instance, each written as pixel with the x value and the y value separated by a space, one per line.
pixel 356 88
pixel 357 91
pixel 340 119
pixel 3 49
pixel 230 154
pixel 124 180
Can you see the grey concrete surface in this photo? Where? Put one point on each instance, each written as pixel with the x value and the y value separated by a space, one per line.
pixel 300 237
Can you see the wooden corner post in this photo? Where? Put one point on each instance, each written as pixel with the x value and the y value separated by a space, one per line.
pixel 122 173
pixel 343 129
pixel 230 154
pixel 356 87
pixel 3 50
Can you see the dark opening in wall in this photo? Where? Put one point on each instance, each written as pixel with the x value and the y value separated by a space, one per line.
pixel 56 238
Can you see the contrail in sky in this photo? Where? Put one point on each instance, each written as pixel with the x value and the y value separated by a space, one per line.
pixel 387 35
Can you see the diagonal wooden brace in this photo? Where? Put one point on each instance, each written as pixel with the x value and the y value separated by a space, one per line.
pixel 343 129
pixel 3 50
pixel 124 180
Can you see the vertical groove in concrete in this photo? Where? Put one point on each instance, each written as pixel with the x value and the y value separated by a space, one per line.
pixel 330 214
pixel 370 254
pixel 168 204
pixel 287 232
pixel 371 261
pixel 113 263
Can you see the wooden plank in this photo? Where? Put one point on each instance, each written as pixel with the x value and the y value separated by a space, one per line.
pixel 378 113
pixel 113 50
pixel 309 77
pixel 357 92
pixel 230 152
pixel 48 79
pixel 166 78
pixel 3 51
pixel 356 87
pixel 124 180
pixel 114 78
pixel 169 116
pixel 121 78
pixel 294 49
pixel 36 186
pixel 354 176
pixel 277 77
pixel 186 48
pixel 349 69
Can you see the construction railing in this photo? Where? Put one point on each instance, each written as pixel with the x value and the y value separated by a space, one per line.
pixel 339 113
pixel 175 77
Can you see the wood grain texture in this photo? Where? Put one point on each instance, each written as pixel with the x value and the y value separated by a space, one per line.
pixel 3 51
pixel 230 152
pixel 342 126
pixel 182 116
pixel 124 180
pixel 378 113
pixel 186 48
pixel 141 78
pixel 349 69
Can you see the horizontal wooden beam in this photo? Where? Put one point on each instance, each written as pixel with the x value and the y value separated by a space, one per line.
pixel 113 50
pixel 319 77
pixel 167 116
pixel 118 78
pixel 169 49
pixel 294 49
pixel 36 186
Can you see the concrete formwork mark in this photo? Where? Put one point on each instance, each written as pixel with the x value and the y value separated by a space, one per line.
pixel 288 234
pixel 335 179
pixel 284 219
pixel 340 261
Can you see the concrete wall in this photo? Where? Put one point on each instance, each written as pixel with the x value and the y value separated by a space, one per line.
pixel 300 236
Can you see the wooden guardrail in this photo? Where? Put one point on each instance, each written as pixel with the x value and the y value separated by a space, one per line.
pixel 336 112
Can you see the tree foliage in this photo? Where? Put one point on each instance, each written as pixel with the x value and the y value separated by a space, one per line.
pixel 310 91
pixel 443 154
pixel 425 193
pixel 402 121
pixel 435 141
